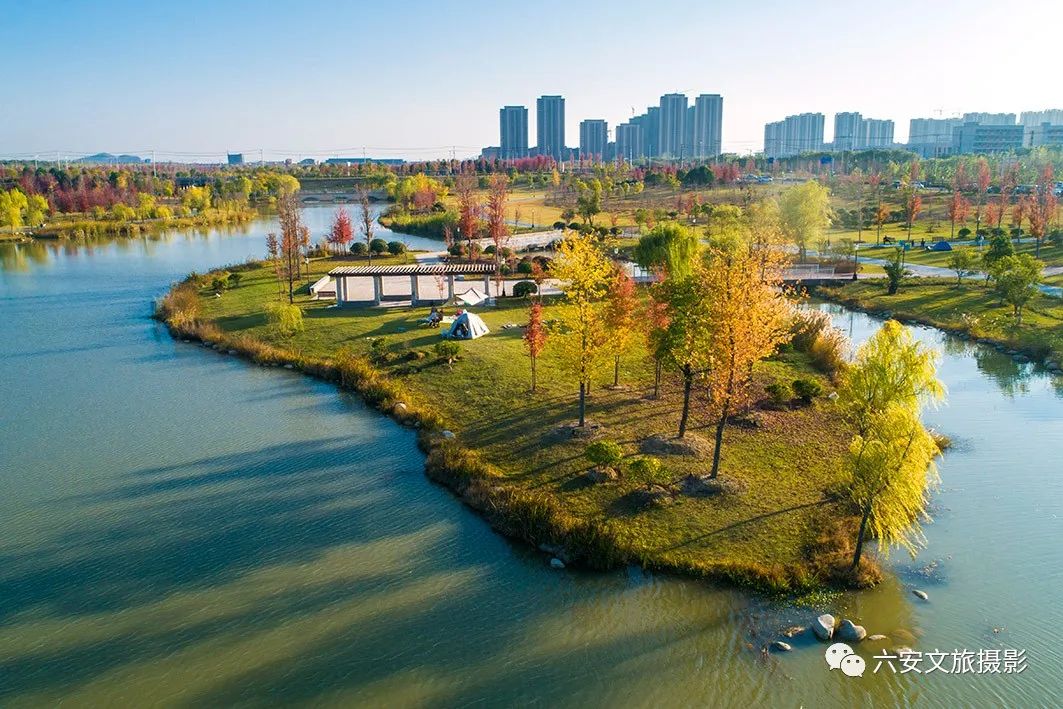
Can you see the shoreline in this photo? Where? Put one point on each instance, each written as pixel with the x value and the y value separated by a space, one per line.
pixel 1040 353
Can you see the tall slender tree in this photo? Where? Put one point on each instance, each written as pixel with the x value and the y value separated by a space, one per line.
pixel 366 222
pixel 535 337
pixel 621 311
pixel 496 223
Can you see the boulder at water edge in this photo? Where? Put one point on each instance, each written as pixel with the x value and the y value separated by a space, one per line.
pixel 823 626
pixel 781 646
pixel 556 563
pixel 921 594
pixel 850 631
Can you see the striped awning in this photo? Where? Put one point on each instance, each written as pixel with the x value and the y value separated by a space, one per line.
pixel 414 269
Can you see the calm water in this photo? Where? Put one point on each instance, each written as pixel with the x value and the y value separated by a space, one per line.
pixel 179 528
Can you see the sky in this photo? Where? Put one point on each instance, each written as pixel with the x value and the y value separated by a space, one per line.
pixel 420 79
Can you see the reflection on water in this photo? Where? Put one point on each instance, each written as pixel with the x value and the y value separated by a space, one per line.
pixel 181 528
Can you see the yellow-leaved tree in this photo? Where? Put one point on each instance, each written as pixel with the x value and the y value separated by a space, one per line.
pixel 585 275
pixel 805 212
pixel 747 317
pixel 891 457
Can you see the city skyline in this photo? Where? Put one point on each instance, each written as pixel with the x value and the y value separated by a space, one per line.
pixel 381 88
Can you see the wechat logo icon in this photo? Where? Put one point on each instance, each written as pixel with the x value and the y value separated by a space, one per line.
pixel 840 656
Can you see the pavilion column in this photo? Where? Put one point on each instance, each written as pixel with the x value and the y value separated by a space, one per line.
pixel 378 290
pixel 487 284
pixel 341 290
pixel 414 295
pixel 450 286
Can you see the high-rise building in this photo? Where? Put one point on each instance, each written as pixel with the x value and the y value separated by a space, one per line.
pixel 1032 121
pixel 673 116
pixel 879 133
pixel 629 142
pixel 550 126
pixel 773 137
pixel 593 139
pixel 794 135
pixel 708 126
pixel 931 137
pixel 513 129
pixel 850 132
pixel 688 133
pixel 649 124
pixel 974 137
pixel 990 119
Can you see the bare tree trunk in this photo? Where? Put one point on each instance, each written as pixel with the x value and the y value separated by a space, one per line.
pixel 860 538
pixel 688 380
pixel 720 424
pixel 582 404
pixel 616 371
pixel 657 378
pixel 533 373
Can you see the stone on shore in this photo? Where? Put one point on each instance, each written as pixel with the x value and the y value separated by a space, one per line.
pixel 781 646
pixel 823 627
pixel 921 594
pixel 556 563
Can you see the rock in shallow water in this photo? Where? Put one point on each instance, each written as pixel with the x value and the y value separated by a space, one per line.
pixel 781 646
pixel 921 594
pixel 823 626
pixel 556 563
pixel 850 631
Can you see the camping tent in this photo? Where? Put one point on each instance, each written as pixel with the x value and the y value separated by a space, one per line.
pixel 467 326
pixel 941 246
pixel 324 288
pixel 471 297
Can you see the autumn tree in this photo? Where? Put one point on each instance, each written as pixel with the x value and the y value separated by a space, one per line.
pixel 805 211
pixel 982 181
pixel 621 321
pixel 959 208
pixel 468 207
pixel 913 204
pixel 746 319
pixel 496 222
pixel 1041 206
pixel 892 378
pixel 585 274
pixel 366 223
pixel 1009 182
pixel 293 234
pixel 684 342
pixel 342 233
pixel 535 337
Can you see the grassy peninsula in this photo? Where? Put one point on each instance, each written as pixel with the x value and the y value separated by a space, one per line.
pixel 510 458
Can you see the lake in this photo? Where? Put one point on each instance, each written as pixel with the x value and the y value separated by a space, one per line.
pixel 178 527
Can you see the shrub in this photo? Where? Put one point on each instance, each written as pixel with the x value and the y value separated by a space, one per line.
pixel 396 248
pixel 180 307
pixel 779 392
pixel 234 280
pixel 829 350
pixel 522 289
pixel 525 267
pixel 447 350
pixel 358 248
pixel 285 318
pixel 218 285
pixel 646 467
pixel 963 233
pixel 378 246
pixel 807 389
pixel 806 326
pixel 489 250
pixel 607 453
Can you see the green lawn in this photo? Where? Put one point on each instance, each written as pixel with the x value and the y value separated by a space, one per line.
pixel 786 463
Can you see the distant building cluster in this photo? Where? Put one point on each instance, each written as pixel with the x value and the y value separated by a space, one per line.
pixel 929 137
pixel 672 130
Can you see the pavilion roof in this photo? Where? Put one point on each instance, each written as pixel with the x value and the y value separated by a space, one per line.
pixel 414 269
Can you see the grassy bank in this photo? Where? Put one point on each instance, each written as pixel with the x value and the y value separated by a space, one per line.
pixel 76 226
pixel 511 459
pixel 970 309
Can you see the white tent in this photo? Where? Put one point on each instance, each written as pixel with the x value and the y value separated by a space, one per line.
pixel 471 297
pixel 324 288
pixel 467 326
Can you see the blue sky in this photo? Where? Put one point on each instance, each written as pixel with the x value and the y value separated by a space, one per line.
pixel 412 78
